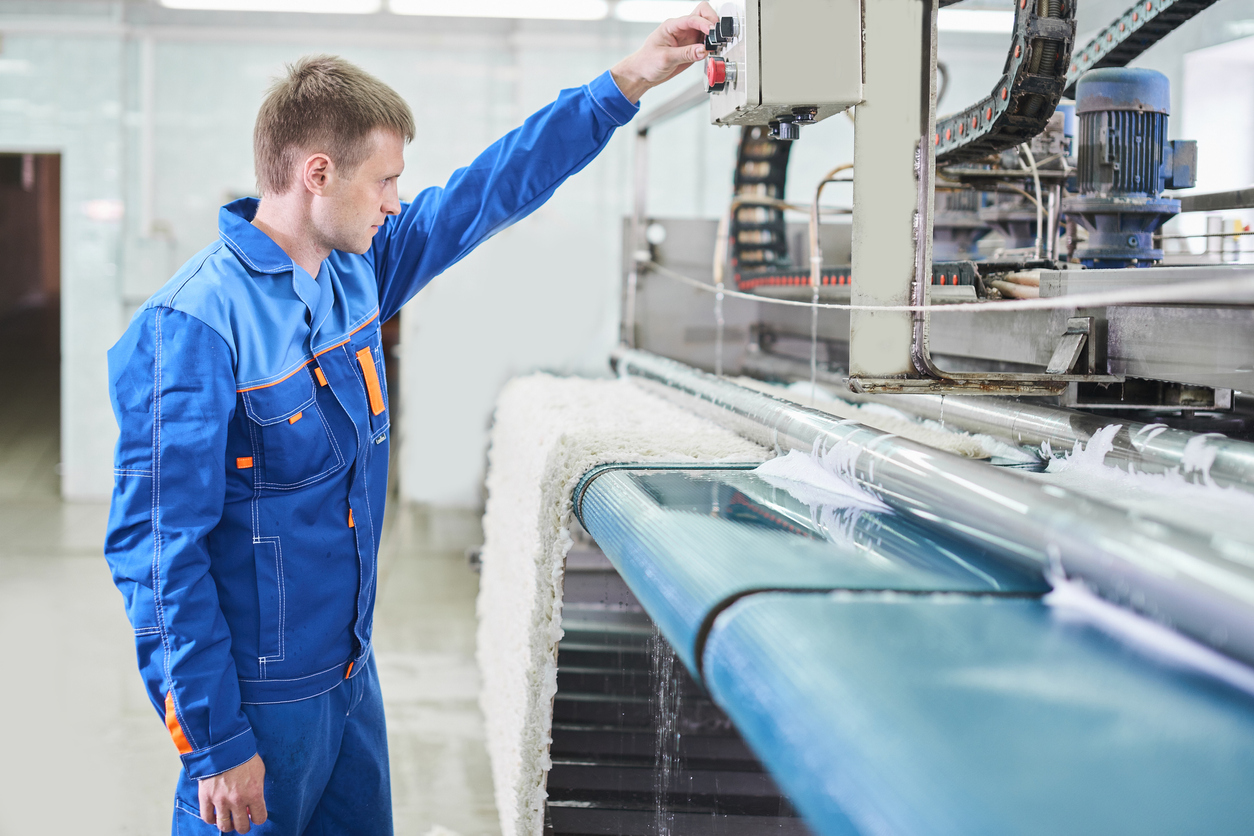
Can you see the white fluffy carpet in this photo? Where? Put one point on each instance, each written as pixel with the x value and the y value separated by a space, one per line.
pixel 547 432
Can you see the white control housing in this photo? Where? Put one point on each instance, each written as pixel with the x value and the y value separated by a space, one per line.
pixel 789 54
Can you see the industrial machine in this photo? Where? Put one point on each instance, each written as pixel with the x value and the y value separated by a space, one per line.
pixel 911 669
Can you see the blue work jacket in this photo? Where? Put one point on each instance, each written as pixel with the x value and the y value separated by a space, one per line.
pixel 252 466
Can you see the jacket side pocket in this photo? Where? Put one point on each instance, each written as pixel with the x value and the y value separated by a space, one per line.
pixel 271 600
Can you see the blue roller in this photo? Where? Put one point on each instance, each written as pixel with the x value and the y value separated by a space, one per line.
pixel 688 543
pixel 971 715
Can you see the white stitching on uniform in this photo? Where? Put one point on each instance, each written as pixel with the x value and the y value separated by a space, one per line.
pixel 285 702
pixel 251 411
pixel 339 454
pixel 365 451
pixel 278 554
pixel 309 480
pixel 156 527
pixel 222 743
pixel 239 251
pixel 294 679
pixel 601 107
pixel 278 377
pixel 348 334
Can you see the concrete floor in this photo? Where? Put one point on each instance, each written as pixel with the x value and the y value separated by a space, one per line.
pixel 83 749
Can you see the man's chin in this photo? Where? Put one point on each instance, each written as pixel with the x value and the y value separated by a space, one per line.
pixel 356 247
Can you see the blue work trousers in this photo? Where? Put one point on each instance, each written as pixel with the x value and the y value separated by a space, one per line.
pixel 326 765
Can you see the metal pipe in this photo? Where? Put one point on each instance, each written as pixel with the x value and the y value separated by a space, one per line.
pixel 1153 448
pixel 1026 151
pixel 1201 585
pixel 627 330
pixel 1055 201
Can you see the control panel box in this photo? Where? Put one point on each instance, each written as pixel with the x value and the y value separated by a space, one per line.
pixel 790 61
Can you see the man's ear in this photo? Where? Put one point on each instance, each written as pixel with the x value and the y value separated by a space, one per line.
pixel 316 173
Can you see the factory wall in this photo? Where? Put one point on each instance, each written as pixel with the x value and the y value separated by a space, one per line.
pixel 62 92
pixel 1223 126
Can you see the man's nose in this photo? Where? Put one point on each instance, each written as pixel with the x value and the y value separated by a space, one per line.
pixel 392 203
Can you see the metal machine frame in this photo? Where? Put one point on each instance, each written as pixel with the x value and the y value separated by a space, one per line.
pixel 1084 355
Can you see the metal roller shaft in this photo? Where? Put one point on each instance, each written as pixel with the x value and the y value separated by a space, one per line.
pixel 1147 447
pixel 1151 448
pixel 1201 585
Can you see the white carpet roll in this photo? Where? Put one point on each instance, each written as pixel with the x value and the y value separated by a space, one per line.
pixel 548 431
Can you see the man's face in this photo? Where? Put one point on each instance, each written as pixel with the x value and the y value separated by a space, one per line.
pixel 352 207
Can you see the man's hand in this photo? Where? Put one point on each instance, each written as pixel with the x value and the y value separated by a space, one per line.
pixel 672 48
pixel 233 798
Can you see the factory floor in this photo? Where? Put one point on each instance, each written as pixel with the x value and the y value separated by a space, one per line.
pixel 84 751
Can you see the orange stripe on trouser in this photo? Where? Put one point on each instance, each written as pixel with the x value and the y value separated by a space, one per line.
pixel 366 358
pixel 172 723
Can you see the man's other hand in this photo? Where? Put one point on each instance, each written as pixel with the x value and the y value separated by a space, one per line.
pixel 234 800
pixel 672 48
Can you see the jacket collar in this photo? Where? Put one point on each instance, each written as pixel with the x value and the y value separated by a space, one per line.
pixel 250 244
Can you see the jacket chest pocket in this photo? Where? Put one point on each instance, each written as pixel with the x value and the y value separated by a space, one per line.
pixel 293 446
pixel 367 359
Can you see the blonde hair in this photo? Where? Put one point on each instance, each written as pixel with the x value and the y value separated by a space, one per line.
pixel 324 104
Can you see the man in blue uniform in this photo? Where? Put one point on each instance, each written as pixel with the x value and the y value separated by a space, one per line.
pixel 251 470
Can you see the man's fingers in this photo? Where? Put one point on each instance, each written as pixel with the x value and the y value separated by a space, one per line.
pixel 706 11
pixel 242 825
pixel 692 27
pixel 224 820
pixel 257 810
pixel 683 56
pixel 206 807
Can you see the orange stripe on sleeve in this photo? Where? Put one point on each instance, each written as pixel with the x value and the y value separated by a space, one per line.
pixel 350 517
pixel 366 358
pixel 172 723
pixel 349 672
pixel 244 462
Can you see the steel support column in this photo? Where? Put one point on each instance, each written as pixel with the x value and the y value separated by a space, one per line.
pixel 889 234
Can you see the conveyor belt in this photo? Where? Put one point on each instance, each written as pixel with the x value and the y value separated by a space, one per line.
pixel 968 716
pixel 896 681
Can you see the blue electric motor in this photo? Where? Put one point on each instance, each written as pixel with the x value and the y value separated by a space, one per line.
pixel 1125 163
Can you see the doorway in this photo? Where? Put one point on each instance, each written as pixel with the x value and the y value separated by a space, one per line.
pixel 30 326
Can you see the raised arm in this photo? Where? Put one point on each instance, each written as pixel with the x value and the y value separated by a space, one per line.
pixel 518 172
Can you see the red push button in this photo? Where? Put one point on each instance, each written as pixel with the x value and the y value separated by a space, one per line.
pixel 715 73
